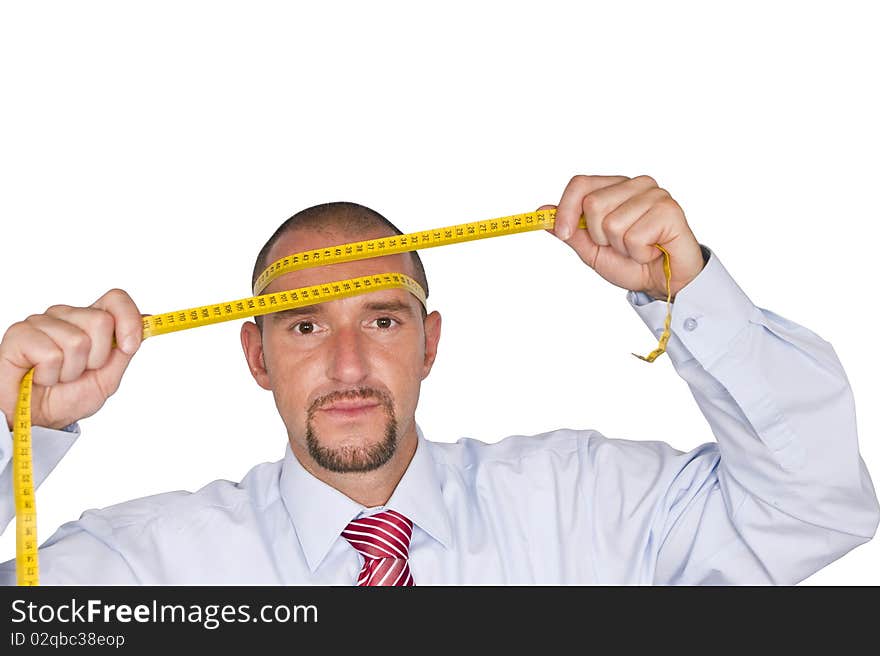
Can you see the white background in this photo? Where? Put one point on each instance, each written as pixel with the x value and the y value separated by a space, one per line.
pixel 156 146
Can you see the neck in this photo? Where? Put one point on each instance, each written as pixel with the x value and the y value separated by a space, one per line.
pixel 372 488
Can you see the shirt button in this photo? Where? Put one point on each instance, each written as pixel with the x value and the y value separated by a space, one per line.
pixel 690 323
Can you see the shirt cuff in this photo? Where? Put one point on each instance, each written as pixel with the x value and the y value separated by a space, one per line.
pixel 51 442
pixel 707 313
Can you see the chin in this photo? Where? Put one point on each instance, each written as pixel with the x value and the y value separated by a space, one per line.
pixel 353 450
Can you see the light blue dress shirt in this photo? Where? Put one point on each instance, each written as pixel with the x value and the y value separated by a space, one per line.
pixel 781 493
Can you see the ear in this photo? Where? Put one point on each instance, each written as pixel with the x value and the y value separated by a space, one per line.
pixel 252 344
pixel 432 338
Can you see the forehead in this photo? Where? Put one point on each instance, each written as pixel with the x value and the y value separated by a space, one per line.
pixel 306 239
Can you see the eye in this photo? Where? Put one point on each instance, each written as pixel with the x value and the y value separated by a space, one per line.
pixel 303 327
pixel 385 323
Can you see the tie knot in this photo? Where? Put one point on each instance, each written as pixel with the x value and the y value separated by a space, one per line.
pixel 383 535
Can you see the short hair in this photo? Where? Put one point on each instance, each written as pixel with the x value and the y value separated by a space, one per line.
pixel 351 218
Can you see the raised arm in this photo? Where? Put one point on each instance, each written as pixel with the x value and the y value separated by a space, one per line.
pixel 76 370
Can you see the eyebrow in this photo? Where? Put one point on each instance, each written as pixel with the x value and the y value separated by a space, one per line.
pixel 318 309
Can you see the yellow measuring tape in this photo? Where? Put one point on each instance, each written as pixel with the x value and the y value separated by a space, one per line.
pixel 27 565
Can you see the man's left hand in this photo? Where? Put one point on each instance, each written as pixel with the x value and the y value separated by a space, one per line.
pixel 625 217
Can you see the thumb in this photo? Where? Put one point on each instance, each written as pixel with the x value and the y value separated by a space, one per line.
pixel 110 375
pixel 546 207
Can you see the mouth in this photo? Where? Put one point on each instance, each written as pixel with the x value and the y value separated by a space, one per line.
pixel 350 409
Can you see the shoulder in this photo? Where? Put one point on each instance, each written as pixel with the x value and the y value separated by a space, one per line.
pixel 561 470
pixel 472 461
pixel 560 448
pixel 257 489
pixel 469 452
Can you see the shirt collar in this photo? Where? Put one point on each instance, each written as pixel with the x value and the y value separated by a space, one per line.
pixel 320 512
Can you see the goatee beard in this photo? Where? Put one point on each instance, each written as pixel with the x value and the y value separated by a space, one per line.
pixel 348 459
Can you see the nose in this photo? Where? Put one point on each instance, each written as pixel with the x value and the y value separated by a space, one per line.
pixel 347 361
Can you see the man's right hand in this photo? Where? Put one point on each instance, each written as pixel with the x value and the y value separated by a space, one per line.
pixel 77 367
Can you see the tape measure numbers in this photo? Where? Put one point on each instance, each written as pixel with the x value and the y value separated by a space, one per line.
pixel 27 564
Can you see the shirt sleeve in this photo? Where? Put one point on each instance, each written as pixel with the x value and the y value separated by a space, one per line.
pixel 784 491
pixel 79 552
pixel 48 445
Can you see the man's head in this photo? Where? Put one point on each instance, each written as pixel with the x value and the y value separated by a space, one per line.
pixel 350 218
pixel 345 374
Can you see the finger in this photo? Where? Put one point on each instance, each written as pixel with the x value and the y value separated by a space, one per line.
pixel 580 241
pixel 25 346
pixel 129 327
pixel 617 222
pixel 653 227
pixel 97 324
pixel 598 204
pixel 74 343
pixel 568 214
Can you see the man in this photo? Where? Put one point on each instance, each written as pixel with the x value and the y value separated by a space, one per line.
pixel 362 496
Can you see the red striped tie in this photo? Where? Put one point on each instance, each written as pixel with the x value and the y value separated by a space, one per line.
pixel 383 540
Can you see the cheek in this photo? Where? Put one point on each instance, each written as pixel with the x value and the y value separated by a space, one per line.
pixel 401 371
pixel 292 377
